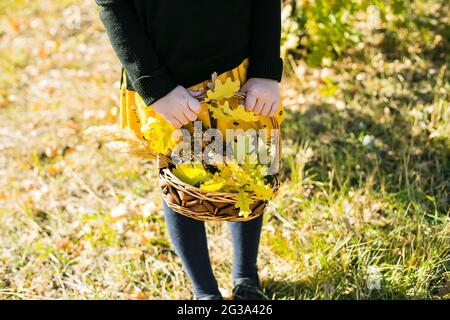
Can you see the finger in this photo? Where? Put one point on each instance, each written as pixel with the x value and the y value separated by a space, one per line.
pixel 244 88
pixel 196 93
pixel 194 104
pixel 182 118
pixel 191 115
pixel 259 106
pixel 266 109
pixel 174 122
pixel 166 117
pixel 250 102
pixel 274 108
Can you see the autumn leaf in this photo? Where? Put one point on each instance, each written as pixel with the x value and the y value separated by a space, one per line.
pixel 241 176
pixel 262 191
pixel 191 173
pixel 158 134
pixel 220 112
pixel 241 114
pixel 226 113
pixel 221 181
pixel 213 185
pixel 222 90
pixel 243 203
pixel 226 173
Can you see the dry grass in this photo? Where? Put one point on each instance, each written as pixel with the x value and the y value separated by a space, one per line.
pixel 363 214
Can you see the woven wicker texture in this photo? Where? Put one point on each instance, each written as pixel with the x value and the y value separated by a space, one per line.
pixel 203 205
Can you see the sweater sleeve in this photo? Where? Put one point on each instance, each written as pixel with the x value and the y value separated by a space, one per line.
pixel 135 50
pixel 265 38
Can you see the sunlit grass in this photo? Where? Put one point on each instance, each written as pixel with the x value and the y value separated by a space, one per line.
pixel 363 212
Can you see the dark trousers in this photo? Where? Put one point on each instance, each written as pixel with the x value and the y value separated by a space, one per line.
pixel 189 239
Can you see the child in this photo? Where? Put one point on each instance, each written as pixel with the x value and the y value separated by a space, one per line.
pixel 168 49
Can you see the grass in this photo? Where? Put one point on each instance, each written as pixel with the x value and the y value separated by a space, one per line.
pixel 364 208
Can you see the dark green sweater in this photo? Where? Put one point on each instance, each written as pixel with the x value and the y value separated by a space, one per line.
pixel 165 43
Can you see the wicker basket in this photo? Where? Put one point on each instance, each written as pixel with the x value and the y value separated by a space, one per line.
pixel 205 205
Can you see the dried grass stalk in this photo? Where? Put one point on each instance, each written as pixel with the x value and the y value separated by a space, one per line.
pixel 122 140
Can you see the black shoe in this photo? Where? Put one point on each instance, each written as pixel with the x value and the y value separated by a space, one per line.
pixel 247 289
pixel 210 297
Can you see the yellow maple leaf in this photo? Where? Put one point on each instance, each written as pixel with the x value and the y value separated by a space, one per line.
pixel 225 172
pixel 219 112
pixel 241 176
pixel 158 134
pixel 243 203
pixel 262 191
pixel 241 114
pixel 213 185
pixel 191 173
pixel 226 113
pixel 221 181
pixel 223 90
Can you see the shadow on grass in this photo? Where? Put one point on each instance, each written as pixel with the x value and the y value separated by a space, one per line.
pixel 285 290
pixel 359 146
pixel 380 138
pixel 385 153
pixel 300 290
pixel 394 47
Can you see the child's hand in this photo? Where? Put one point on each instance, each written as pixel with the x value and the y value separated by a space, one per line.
pixel 263 96
pixel 179 107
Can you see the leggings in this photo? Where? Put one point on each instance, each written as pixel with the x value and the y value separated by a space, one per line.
pixel 188 236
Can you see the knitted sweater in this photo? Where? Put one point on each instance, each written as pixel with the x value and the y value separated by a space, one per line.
pixel 165 43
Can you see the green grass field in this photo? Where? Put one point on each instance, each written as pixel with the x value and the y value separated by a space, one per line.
pixel 363 212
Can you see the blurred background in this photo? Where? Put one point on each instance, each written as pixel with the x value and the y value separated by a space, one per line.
pixel 364 209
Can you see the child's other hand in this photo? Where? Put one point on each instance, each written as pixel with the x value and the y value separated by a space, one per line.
pixel 179 107
pixel 263 96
